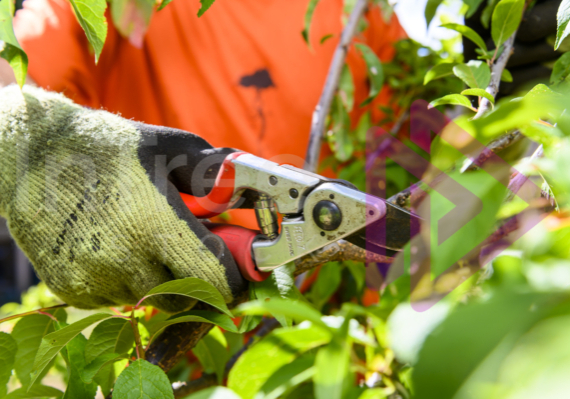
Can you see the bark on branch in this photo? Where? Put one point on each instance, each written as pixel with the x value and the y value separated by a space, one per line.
pixel 331 84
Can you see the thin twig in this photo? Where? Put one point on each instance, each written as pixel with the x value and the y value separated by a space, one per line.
pixel 40 311
pixel 496 71
pixel 322 109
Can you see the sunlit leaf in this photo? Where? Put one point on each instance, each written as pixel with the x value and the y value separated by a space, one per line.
pixel 28 333
pixel 195 288
pixel 563 17
pixel 506 76
pixel 561 68
pixel 8 349
pixel 431 8
pixel 91 17
pixel 505 20
pixel 12 51
pixel 468 336
pixel 35 392
pixel 453 99
pixel 214 393
pixel 143 380
pixel 473 6
pixel 468 33
pixel 479 93
pixel 287 377
pixel 331 366
pixel 274 351
pixel 53 343
pixel 297 310
pixel 439 71
pixel 281 284
pixel 476 74
pixel 346 88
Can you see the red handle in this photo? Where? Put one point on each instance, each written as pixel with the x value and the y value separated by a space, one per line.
pixel 218 199
pixel 239 241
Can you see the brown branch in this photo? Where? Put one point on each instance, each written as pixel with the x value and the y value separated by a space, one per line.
pixel 322 109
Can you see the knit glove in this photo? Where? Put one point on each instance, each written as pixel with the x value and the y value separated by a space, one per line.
pixel 93 201
pixel 533 48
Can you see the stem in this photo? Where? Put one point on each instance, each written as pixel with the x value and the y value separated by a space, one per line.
pixel 496 72
pixel 139 347
pixel 40 311
pixel 331 84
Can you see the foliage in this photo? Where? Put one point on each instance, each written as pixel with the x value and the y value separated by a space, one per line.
pixel 498 333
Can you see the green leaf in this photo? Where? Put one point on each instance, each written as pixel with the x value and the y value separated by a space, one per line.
pixel 308 20
pixel 132 18
pixel 476 74
pixel 12 51
pixel 143 380
pixel 374 70
pixel 163 4
pixel 340 141
pixel 198 316
pixel 505 20
pixel 331 370
pixel 439 71
pixel 563 17
pixel 468 33
pixel 91 17
pixel 36 391
pixel 473 6
pixel 281 284
pixel 325 38
pixel 346 88
pixel 541 92
pixel 487 12
pixel 506 76
pixel 297 310
pixel 195 288
pixel 287 377
pixel 111 336
pixel 28 333
pixel 249 322
pixel 454 99
pixel 214 393
pixel 479 93
pixel 8 349
pixel 53 343
pixel 431 8
pixel 561 69
pixel 213 354
pixel 75 359
pixel 92 369
pixel 277 349
pixel 204 6
pixel 326 285
pixel 468 336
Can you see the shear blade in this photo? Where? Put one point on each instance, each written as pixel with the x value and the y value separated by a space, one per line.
pixel 389 233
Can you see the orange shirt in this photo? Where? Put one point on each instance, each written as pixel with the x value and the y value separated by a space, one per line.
pixel 240 76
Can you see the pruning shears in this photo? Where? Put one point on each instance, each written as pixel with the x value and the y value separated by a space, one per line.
pixel 315 212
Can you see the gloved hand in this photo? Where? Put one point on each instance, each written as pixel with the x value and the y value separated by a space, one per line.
pixel 531 50
pixel 92 199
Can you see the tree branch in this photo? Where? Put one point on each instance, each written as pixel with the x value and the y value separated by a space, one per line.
pixel 323 107
pixel 496 71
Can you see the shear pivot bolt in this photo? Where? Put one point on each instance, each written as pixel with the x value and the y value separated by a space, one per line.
pixel 327 215
pixel 272 180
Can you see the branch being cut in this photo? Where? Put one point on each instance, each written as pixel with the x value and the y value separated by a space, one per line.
pixel 323 107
